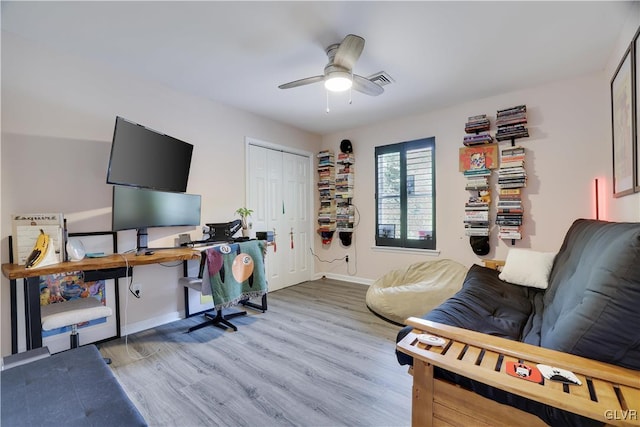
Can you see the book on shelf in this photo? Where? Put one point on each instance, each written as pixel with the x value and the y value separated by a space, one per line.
pixel 506 137
pixel 510 231
pixel 476 232
pixel 503 201
pixel 476 216
pixel 509 192
pixel 509 221
pixel 508 164
pixel 481 179
pixel 512 185
pixel 479 187
pixel 510 180
pixel 512 172
pixel 344 195
pixel 477 172
pixel 510 151
pixel 516 109
pixel 26 229
pixel 346 159
pixel 511 157
pixel 478 139
pixel 512 130
pixel 325 154
pixel 511 235
pixel 479 199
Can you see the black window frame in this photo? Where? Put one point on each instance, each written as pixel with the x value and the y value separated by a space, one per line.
pixel 402 148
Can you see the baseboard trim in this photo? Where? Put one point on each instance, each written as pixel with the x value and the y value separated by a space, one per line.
pixel 344 278
pixel 133 328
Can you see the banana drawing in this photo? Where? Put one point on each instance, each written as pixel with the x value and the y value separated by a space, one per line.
pixel 39 251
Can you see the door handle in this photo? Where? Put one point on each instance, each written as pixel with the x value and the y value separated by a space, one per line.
pixel 275 245
pixel 291 234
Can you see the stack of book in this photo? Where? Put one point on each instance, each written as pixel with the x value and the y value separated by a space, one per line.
pixel 512 173
pixel 477 123
pixel 344 186
pixel 511 123
pixel 476 215
pixel 327 191
pixel 476 210
pixel 512 177
pixel 346 159
pixel 344 192
pixel 477 128
pixel 327 216
pixel 477 179
pixel 345 217
pixel 325 158
pixel 481 138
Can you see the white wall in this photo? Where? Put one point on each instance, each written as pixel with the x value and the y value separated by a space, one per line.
pixel 569 146
pixel 58 114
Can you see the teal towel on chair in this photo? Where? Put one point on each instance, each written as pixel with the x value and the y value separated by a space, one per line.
pixel 242 274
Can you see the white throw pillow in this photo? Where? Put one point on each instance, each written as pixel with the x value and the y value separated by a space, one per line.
pixel 527 268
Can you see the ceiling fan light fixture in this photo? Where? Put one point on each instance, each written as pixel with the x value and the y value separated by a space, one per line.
pixel 338 81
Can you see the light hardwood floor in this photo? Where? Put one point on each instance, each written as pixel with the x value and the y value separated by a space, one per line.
pixel 317 357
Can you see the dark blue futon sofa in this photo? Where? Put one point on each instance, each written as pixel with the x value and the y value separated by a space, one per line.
pixel 591 309
pixel 71 388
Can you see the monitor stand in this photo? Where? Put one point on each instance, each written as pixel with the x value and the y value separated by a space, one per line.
pixel 142 241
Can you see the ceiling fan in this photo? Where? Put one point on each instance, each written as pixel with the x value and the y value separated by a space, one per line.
pixel 338 73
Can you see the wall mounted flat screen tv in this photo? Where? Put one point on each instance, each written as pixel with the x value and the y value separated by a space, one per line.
pixel 142 157
pixel 141 208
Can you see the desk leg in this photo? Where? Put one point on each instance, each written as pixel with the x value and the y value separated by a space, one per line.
pixel 33 321
pixel 14 317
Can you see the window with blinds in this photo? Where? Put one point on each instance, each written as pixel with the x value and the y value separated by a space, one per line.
pixel 405 194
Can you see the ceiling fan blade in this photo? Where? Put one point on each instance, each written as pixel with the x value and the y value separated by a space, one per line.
pixel 349 51
pixel 302 82
pixel 366 86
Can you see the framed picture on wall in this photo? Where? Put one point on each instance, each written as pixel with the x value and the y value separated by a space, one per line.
pixel 59 288
pixel 622 125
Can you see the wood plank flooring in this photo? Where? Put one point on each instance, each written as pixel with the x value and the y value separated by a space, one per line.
pixel 317 357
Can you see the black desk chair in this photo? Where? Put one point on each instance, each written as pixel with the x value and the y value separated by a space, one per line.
pixel 214 317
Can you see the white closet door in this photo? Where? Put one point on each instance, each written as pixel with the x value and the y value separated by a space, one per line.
pixel 278 192
pixel 296 214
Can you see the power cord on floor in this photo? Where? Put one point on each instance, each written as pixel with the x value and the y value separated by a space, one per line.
pixel 344 258
pixel 126 312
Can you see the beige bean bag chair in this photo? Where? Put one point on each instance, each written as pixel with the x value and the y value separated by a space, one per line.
pixel 415 290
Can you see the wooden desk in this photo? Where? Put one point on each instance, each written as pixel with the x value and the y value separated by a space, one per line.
pixel 108 267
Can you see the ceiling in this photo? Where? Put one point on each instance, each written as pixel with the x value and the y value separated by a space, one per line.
pixel 237 53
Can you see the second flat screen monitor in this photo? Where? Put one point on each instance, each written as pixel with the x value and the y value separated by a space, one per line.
pixel 136 208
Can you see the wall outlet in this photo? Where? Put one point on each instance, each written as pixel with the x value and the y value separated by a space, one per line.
pixel 137 289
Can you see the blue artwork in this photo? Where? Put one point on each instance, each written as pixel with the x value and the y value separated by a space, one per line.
pixel 58 288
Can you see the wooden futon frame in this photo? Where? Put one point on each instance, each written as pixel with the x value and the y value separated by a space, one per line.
pixel 608 393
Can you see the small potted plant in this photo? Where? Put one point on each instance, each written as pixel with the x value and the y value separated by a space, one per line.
pixel 244 214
